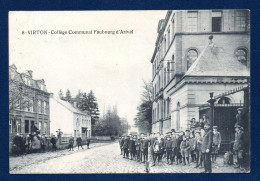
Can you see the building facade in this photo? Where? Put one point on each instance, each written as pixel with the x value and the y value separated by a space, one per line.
pixel 68 118
pixel 188 65
pixel 28 104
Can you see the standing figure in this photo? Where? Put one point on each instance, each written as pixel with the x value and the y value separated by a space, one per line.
pixel 138 149
pixel 174 146
pixel 53 142
pixel 17 141
pixel 88 142
pixel 125 146
pixel 192 147
pixel 79 142
pixel 71 143
pixel 43 142
pixel 197 150
pixel 206 148
pixel 168 148
pixel 216 143
pixel 239 145
pixel 144 149
pixel 185 150
pixel 121 145
pixel 28 143
pixel 130 148
pixel 158 149
pixel 179 140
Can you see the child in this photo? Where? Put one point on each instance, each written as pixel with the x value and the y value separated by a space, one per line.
pixel 185 150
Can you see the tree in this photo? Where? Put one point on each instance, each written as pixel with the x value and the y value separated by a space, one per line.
pixel 93 107
pixel 61 95
pixel 68 96
pixel 88 103
pixel 143 118
pixel 110 124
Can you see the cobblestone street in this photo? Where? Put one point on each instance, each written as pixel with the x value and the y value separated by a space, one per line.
pixel 101 158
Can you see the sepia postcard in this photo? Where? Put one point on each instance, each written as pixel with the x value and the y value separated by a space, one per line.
pixel 162 91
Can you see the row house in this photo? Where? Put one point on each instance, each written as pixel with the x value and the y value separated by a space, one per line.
pixel 28 103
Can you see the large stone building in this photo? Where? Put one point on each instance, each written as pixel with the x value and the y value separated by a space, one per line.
pixel 198 52
pixel 28 104
pixel 68 118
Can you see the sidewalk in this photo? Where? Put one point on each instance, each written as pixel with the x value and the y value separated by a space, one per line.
pixel 16 162
pixel 217 167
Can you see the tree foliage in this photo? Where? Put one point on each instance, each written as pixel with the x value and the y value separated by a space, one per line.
pixel 111 124
pixel 143 118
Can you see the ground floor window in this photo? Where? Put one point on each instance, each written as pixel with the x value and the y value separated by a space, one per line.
pixel 26 127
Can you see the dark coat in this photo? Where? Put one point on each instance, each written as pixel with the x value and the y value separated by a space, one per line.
pixel 138 145
pixel 53 140
pixel 168 144
pixel 126 144
pixel 78 140
pixel 122 143
pixel 239 141
pixel 207 141
pixel 185 145
pixel 192 143
pixel 158 146
pixel 144 144
pixel 174 142
pixel 216 138
pixel 131 144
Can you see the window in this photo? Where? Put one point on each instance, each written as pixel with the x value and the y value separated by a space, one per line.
pixel 192 55
pixel 32 126
pixel 164 46
pixel 173 25
pixel 241 54
pixel 45 128
pixel 26 128
pixel 18 126
pixel 178 116
pixel 10 126
pixel 216 21
pixel 165 76
pixel 168 38
pixel 240 20
pixel 30 106
pixel 39 106
pixel 224 100
pixel 192 21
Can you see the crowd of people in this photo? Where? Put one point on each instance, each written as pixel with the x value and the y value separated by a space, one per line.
pixel 200 145
pixel 35 142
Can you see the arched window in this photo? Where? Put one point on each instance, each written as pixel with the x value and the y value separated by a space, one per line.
pixel 178 116
pixel 241 54
pixel 224 100
pixel 192 55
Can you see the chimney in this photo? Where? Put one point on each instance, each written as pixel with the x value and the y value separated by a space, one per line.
pixel 30 72
pixel 75 104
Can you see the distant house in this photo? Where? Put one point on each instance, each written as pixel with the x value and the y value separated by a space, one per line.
pixel 68 118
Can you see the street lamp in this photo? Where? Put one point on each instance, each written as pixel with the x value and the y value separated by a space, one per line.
pixel 211 101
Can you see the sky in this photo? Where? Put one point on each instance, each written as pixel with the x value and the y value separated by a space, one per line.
pixel 113 66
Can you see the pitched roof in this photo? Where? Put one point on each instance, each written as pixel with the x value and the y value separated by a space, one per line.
pixel 214 61
pixel 69 106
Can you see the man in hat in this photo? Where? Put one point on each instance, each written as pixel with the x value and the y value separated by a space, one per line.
pixel 168 148
pixel 174 145
pixel 71 143
pixel 144 148
pixel 79 142
pixel 43 142
pixel 121 142
pixel 239 145
pixel 126 146
pixel 53 142
pixel 206 148
pixel 185 150
pixel 152 140
pixel 138 148
pixel 216 143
